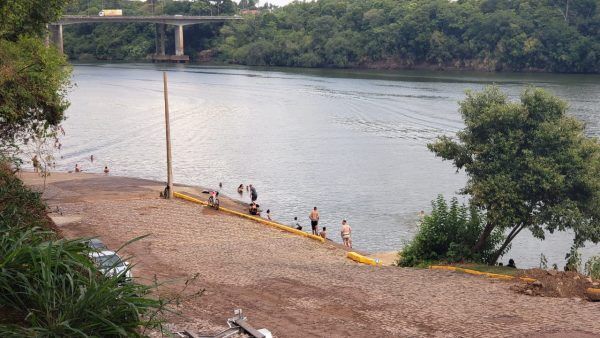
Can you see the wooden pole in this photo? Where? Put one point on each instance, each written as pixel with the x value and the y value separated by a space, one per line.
pixel 168 130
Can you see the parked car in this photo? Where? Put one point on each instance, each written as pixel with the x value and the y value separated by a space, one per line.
pixel 96 244
pixel 110 264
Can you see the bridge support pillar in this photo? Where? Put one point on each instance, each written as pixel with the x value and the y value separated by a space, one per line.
pixel 179 40
pixel 57 37
pixel 161 39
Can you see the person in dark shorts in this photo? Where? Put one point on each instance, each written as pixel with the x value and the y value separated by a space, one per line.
pixel 314 221
pixel 253 193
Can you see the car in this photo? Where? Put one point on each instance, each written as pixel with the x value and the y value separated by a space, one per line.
pixel 110 264
pixel 96 244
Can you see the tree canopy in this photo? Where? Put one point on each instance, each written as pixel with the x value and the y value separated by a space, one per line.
pixel 529 166
pixel 33 77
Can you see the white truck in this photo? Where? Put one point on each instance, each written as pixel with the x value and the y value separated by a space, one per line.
pixel 111 12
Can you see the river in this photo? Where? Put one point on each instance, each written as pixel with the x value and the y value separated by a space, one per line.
pixel 352 143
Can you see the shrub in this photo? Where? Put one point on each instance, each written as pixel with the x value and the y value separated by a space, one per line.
pixel 448 234
pixel 592 267
pixel 49 287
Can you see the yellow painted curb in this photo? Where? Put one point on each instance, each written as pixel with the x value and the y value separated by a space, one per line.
pixel 594 291
pixel 480 273
pixel 362 259
pixel 593 294
pixel 256 219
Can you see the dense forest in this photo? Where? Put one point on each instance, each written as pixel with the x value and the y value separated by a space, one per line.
pixel 496 35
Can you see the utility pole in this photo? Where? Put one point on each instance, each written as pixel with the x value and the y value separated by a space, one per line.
pixel 168 130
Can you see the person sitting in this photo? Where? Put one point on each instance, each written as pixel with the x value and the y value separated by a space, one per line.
pixel 296 224
pixel 253 209
pixel 511 264
pixel 106 171
pixel 323 233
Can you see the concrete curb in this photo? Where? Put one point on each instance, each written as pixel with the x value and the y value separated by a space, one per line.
pixel 363 259
pixel 479 273
pixel 250 217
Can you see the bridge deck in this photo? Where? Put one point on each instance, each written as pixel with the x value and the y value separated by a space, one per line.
pixel 164 19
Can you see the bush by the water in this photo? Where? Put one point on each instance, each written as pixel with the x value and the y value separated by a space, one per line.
pixel 592 267
pixel 448 234
pixel 48 285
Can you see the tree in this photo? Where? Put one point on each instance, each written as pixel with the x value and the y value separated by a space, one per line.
pixel 529 166
pixel 33 77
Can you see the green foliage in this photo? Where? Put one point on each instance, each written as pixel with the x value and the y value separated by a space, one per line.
pixel 33 78
pixel 448 234
pixel 490 35
pixel 529 165
pixel 573 258
pixel 49 287
pixel 592 267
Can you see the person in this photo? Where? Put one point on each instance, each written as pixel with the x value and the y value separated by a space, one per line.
pixel 323 233
pixel 92 158
pixel 421 215
pixel 346 232
pixel 511 264
pixel 253 193
pixel 253 209
pixel 36 163
pixel 77 169
pixel 220 185
pixel 314 221
pixel 296 224
pixel 269 214
pixel 106 171
pixel 241 189
pixel 246 188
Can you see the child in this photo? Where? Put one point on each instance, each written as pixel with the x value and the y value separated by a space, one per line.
pixel 298 226
pixel 323 233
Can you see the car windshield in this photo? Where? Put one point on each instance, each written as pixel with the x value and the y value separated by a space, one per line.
pixel 108 261
pixel 95 244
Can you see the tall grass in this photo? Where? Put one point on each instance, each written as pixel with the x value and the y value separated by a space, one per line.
pixel 49 287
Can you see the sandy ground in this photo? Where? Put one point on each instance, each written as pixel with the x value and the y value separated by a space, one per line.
pixel 293 286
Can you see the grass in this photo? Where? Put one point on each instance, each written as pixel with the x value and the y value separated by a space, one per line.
pixel 503 270
pixel 49 287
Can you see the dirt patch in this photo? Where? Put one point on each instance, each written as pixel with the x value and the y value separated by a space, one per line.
pixel 553 283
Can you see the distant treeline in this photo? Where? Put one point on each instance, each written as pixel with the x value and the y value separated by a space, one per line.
pixel 510 35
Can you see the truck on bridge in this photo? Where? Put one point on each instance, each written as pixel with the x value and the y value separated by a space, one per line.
pixel 111 12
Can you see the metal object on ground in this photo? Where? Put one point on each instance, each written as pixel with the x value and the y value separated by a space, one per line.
pixel 237 324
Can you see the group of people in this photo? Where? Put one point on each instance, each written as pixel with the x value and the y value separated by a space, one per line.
pixel 254 209
pixel 78 168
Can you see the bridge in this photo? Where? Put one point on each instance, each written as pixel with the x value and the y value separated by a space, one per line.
pixel 161 20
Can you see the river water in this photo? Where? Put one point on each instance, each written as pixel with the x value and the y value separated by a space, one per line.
pixel 352 143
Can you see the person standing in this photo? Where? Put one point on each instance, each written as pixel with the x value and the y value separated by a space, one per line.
pixel 269 214
pixel 346 232
pixel 314 221
pixel 253 193
pixel 36 164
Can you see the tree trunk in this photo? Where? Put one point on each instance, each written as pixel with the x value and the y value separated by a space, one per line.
pixel 483 238
pixel 514 232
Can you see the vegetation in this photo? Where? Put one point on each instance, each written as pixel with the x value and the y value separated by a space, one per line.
pixel 448 234
pixel 33 78
pixel 502 35
pixel 529 166
pixel 592 267
pixel 48 285
pixel 479 34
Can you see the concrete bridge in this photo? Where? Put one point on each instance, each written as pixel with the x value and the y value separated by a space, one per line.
pixel 162 21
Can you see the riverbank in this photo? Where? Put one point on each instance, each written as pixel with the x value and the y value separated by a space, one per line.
pixel 293 286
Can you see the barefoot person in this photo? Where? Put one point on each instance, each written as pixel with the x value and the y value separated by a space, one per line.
pixel 296 224
pixel 314 221
pixel 106 170
pixel 241 189
pixel 253 193
pixel 77 168
pixel 323 233
pixel 346 232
